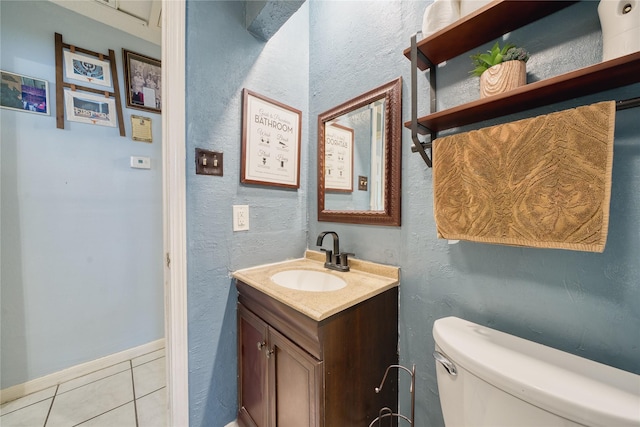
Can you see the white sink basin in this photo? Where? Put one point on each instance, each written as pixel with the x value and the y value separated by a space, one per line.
pixel 308 280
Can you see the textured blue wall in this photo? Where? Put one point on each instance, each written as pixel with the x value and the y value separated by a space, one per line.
pixel 222 59
pixel 81 230
pixel 583 303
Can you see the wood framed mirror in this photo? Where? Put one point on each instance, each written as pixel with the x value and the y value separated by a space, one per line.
pixel 360 158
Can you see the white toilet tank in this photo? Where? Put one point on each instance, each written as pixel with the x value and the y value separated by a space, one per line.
pixel 504 381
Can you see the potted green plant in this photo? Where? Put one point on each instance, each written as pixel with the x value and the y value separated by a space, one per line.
pixel 500 69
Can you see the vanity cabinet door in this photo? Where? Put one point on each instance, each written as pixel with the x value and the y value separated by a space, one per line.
pixel 296 384
pixel 252 369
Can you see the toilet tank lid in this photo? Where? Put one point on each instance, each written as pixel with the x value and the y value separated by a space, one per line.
pixel 569 386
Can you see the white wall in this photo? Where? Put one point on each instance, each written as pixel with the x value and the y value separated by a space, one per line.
pixel 81 252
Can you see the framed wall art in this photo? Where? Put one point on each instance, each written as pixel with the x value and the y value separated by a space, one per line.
pixel 79 64
pixel 142 76
pixel 141 129
pixel 87 69
pixel 338 158
pixel 23 93
pixel 271 134
pixel 90 109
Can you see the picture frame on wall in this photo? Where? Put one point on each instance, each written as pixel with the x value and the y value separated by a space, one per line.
pixel 87 69
pixel 143 81
pixel 92 109
pixel 23 93
pixel 141 129
pixel 338 158
pixel 271 133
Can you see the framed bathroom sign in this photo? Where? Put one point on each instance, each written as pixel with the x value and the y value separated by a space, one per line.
pixel 271 133
pixel 338 158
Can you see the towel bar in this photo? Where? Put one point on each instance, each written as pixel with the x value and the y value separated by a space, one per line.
pixel 419 146
pixel 627 103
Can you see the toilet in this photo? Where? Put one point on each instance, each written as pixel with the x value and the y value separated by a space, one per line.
pixel 490 378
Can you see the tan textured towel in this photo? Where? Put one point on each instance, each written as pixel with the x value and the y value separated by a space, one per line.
pixel 542 182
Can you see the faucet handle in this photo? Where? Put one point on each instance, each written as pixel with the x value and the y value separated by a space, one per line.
pixel 329 259
pixel 343 259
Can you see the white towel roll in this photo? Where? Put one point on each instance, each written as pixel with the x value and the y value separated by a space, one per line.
pixel 620 21
pixel 468 6
pixel 438 15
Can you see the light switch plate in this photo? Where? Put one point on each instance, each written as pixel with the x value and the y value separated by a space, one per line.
pixel 208 162
pixel 240 217
pixel 363 183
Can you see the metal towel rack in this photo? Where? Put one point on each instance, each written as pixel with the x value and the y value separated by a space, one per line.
pixel 387 412
pixel 424 148
pixel 627 103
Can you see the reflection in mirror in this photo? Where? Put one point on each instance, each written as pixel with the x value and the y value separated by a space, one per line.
pixel 354 149
pixel 359 157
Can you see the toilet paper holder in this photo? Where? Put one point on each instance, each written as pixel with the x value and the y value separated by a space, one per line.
pixel 387 412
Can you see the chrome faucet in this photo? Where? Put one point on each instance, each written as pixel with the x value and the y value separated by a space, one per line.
pixel 335 260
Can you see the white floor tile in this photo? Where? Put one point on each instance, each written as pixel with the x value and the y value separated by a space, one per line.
pixel 90 400
pixel 94 376
pixel 32 416
pixel 27 400
pixel 149 377
pixel 148 357
pixel 101 399
pixel 124 416
pixel 152 409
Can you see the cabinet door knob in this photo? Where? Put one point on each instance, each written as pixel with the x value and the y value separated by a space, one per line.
pixel 269 353
pixel 261 344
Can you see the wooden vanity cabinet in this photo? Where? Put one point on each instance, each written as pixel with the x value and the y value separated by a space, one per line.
pixel 294 371
pixel 272 365
pixel 252 369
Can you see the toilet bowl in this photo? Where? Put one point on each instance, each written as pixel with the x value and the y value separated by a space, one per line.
pixel 490 378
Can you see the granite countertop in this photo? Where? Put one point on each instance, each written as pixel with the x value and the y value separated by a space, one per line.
pixel 364 280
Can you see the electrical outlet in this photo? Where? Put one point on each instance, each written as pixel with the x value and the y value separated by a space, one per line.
pixel 240 217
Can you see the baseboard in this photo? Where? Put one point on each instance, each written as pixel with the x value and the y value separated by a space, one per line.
pixel 232 424
pixel 19 390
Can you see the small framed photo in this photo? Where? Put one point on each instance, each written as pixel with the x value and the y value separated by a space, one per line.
pixel 142 76
pixel 87 69
pixel 91 109
pixel 141 128
pixel 271 134
pixel 338 158
pixel 23 93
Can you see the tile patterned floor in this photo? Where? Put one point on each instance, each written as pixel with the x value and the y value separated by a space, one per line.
pixel 130 394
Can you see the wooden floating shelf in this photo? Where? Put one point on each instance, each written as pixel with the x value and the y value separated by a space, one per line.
pixel 482 26
pixel 596 78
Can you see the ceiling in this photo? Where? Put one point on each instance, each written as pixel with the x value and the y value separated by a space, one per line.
pixel 141 18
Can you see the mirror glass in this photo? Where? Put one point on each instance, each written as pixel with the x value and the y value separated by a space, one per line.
pixel 359 158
